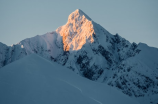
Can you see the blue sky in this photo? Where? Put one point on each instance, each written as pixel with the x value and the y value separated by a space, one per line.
pixel 135 20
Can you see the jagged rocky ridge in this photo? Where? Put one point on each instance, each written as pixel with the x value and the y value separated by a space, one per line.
pixel 92 52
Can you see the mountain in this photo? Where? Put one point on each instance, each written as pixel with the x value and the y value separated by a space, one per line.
pixel 35 80
pixel 91 51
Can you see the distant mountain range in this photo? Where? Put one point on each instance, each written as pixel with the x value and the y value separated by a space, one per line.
pixel 91 51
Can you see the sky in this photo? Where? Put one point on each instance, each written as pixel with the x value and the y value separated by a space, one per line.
pixel 135 20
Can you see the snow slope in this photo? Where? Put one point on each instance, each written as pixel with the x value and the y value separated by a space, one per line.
pixel 34 80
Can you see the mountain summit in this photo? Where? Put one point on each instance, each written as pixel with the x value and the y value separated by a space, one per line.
pixel 79 30
pixel 89 50
pixel 76 31
pixel 78 13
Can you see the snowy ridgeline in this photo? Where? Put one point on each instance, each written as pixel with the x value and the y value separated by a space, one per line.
pixel 33 79
pixel 92 52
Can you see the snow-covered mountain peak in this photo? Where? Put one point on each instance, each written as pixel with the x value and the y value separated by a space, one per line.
pixel 77 31
pixel 80 29
pixel 78 14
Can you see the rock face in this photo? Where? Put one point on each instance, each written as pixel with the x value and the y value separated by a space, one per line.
pixel 92 52
pixel 9 54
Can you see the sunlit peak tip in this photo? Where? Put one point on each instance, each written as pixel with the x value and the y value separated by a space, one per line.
pixel 80 12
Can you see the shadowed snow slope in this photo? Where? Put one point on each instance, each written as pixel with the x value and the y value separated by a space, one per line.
pixel 34 80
